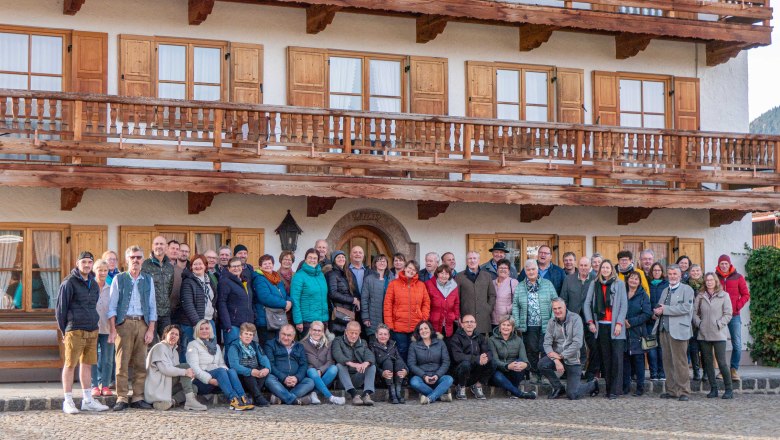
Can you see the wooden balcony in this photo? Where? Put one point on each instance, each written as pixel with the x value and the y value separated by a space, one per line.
pixel 87 140
pixel 726 26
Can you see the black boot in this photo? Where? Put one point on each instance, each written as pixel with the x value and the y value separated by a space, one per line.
pixel 392 396
pixel 399 389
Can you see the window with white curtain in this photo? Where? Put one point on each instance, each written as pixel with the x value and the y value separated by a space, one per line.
pixel 642 103
pixel 366 83
pixel 189 71
pixel 523 94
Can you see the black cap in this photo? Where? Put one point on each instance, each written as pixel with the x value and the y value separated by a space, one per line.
pixel 86 254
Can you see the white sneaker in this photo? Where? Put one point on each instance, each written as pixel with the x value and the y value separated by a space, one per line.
pixel 336 400
pixel 314 399
pixel 69 407
pixel 93 405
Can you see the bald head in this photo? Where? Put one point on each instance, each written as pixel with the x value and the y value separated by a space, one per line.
pixel 584 266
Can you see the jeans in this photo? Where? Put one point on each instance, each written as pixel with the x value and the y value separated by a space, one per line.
pixel 402 341
pixel 735 330
pixel 719 347
pixel 509 380
pixel 321 382
pixel 633 363
pixel 102 371
pixel 440 387
pixel 655 362
pixel 289 395
pixel 574 387
pixel 229 337
pixel 533 338
pixel 228 383
pixel 469 373
pixel 350 381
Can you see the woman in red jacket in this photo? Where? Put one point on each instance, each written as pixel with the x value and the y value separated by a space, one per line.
pixel 445 300
pixel 734 284
pixel 406 304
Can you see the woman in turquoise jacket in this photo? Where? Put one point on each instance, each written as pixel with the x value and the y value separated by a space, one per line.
pixel 269 292
pixel 309 293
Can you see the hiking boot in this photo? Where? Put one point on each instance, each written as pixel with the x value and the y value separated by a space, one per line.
pixel 191 403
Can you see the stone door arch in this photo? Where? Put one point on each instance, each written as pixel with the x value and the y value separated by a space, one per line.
pixel 378 222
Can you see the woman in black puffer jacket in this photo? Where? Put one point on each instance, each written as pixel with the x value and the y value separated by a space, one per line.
pixel 390 364
pixel 198 300
pixel 341 286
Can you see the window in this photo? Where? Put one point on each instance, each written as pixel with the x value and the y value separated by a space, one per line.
pixel 522 247
pixel 32 264
pixel 370 83
pixel 523 94
pixel 666 249
pixel 190 71
pixel 642 103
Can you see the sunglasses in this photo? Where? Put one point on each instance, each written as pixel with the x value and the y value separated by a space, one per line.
pixel 136 257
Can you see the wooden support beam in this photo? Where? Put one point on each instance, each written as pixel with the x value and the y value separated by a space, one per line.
pixel 531 213
pixel 429 27
pixel 628 45
pixel 199 10
pixel 629 215
pixel 70 198
pixel 316 206
pixel 720 52
pixel 197 202
pixel 427 209
pixel 318 17
pixel 534 35
pixel 70 7
pixel 720 217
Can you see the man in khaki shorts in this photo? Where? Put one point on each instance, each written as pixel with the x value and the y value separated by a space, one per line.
pixel 77 319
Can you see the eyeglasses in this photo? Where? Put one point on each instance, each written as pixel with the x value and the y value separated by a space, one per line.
pixel 469 322
pixel 235 267
pixel 136 257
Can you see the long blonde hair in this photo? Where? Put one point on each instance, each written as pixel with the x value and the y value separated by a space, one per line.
pixel 324 341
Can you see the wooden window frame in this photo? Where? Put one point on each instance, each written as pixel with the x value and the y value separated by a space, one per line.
pixel 522 69
pixel 66 36
pixel 673 250
pixel 190 44
pixel 667 80
pixel 365 91
pixel 27 270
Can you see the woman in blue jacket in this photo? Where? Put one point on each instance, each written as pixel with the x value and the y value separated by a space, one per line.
pixel 250 362
pixel 269 293
pixel 636 319
pixel 234 301
pixel 658 283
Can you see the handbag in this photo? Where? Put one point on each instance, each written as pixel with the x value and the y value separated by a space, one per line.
pixel 275 318
pixel 342 314
pixel 650 341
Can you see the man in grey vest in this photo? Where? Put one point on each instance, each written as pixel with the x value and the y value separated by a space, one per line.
pixel 675 311
pixel 132 315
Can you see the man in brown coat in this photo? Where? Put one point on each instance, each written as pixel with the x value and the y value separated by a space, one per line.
pixel 477 293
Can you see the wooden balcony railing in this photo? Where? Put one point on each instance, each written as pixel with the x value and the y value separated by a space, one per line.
pixel 79 128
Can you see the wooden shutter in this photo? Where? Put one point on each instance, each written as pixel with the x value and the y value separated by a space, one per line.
pixel 570 243
pixel 136 66
pixel 606 102
pixel 89 67
pixel 693 248
pixel 87 238
pixel 569 86
pixel 246 73
pixel 480 90
pixel 135 236
pixel 253 239
pixel 608 247
pixel 481 243
pixel 428 85
pixel 307 77
pixel 686 103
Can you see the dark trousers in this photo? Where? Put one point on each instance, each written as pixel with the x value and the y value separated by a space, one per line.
pixel 574 387
pixel 532 339
pixel 389 364
pixel 253 386
pixel 468 373
pixel 611 351
pixel 162 322
pixel 402 341
pixel 655 362
pixel 707 347
pixel 594 356
pixel 633 364
pixel 694 352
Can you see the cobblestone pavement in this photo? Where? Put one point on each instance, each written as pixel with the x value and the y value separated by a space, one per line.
pixel 748 416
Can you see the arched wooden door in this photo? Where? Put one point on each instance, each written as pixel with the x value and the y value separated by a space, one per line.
pixel 369 239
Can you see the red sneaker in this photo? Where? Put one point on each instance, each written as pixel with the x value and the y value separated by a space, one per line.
pixel 95 391
pixel 106 391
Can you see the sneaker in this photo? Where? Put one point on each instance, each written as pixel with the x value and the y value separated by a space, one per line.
pixel 424 400
pixel 336 400
pixel 357 401
pixel 260 401
pixel 460 392
pixel 367 400
pixel 245 401
pixel 238 405
pixel 95 391
pixel 305 400
pixel 478 393
pixel 446 397
pixel 314 399
pixel 275 400
pixel 106 392
pixel 69 407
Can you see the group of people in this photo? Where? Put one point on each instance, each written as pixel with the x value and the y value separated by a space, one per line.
pixel 213 323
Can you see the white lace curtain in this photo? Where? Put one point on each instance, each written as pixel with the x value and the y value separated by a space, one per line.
pixel 47 249
pixel 9 246
pixel 205 242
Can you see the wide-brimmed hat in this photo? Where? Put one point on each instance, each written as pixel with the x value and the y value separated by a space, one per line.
pixel 499 246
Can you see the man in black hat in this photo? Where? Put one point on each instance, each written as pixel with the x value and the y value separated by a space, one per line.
pixel 499 251
pixel 77 319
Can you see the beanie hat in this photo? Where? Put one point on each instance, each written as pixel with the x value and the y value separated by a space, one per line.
pixel 239 248
pixel 724 257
